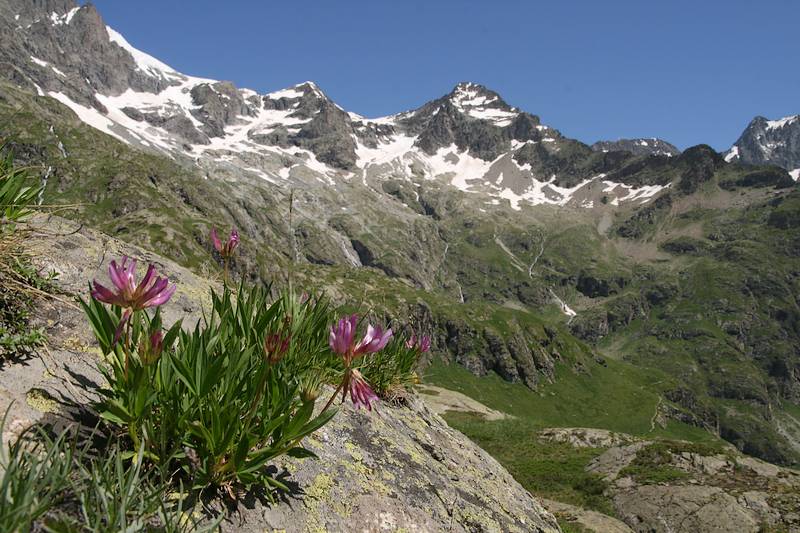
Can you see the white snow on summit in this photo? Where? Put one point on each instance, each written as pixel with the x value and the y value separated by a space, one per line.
pixel 468 100
pixel 780 123
pixel 145 62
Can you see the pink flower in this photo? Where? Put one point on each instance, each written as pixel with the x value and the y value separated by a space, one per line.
pixel 361 393
pixel 342 335
pixel 225 250
pixel 423 344
pixel 342 338
pixel 151 291
pixel 374 341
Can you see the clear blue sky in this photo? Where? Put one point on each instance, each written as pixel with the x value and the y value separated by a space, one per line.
pixel 687 71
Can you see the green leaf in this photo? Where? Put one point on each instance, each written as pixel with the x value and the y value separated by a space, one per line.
pixel 301 453
pixel 184 373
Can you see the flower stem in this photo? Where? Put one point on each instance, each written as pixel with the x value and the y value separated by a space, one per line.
pixel 127 348
pixel 333 397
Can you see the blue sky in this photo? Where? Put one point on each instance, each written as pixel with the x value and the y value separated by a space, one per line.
pixel 687 71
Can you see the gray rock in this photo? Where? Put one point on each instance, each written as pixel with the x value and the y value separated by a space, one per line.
pixel 769 142
pixel 666 509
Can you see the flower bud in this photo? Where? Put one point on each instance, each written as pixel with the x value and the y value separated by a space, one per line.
pixel 150 349
pixel 275 347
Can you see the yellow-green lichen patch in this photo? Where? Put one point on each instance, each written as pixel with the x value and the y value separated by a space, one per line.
pixel 373 486
pixel 318 494
pixel 415 456
pixel 41 401
pixel 355 466
pixel 320 488
pixel 352 449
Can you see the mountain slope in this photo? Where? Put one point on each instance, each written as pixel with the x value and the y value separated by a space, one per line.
pixel 525 253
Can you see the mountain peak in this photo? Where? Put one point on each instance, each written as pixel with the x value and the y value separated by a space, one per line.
pixel 475 95
pixel 769 142
pixel 479 102
pixel 310 87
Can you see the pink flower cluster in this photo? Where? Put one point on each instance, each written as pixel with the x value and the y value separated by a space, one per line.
pixel 342 340
pixel 151 291
pixel 225 250
pixel 343 334
pixel 423 343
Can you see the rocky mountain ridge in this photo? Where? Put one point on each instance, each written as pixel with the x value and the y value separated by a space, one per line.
pixel 470 138
pixel 640 146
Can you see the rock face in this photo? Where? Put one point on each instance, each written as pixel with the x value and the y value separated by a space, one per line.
pixel 769 142
pixel 651 146
pixel 399 468
pixel 675 486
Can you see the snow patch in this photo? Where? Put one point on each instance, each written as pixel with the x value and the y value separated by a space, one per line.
pixel 45 64
pixel 643 194
pixel 290 93
pixel 795 174
pixel 732 154
pixel 144 62
pixel 498 116
pixel 780 123
pixel 89 115
pixel 466 167
pixel 66 18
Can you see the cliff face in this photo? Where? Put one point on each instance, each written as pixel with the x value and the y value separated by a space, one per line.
pixel 398 468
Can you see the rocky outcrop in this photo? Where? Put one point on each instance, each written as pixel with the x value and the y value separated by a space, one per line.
pixel 698 165
pixel 522 355
pixel 585 519
pixel 639 146
pixel 219 104
pixel 676 486
pixel 399 468
pixel 586 437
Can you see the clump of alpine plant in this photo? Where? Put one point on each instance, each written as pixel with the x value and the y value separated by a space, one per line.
pixel 216 403
pixel 421 344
